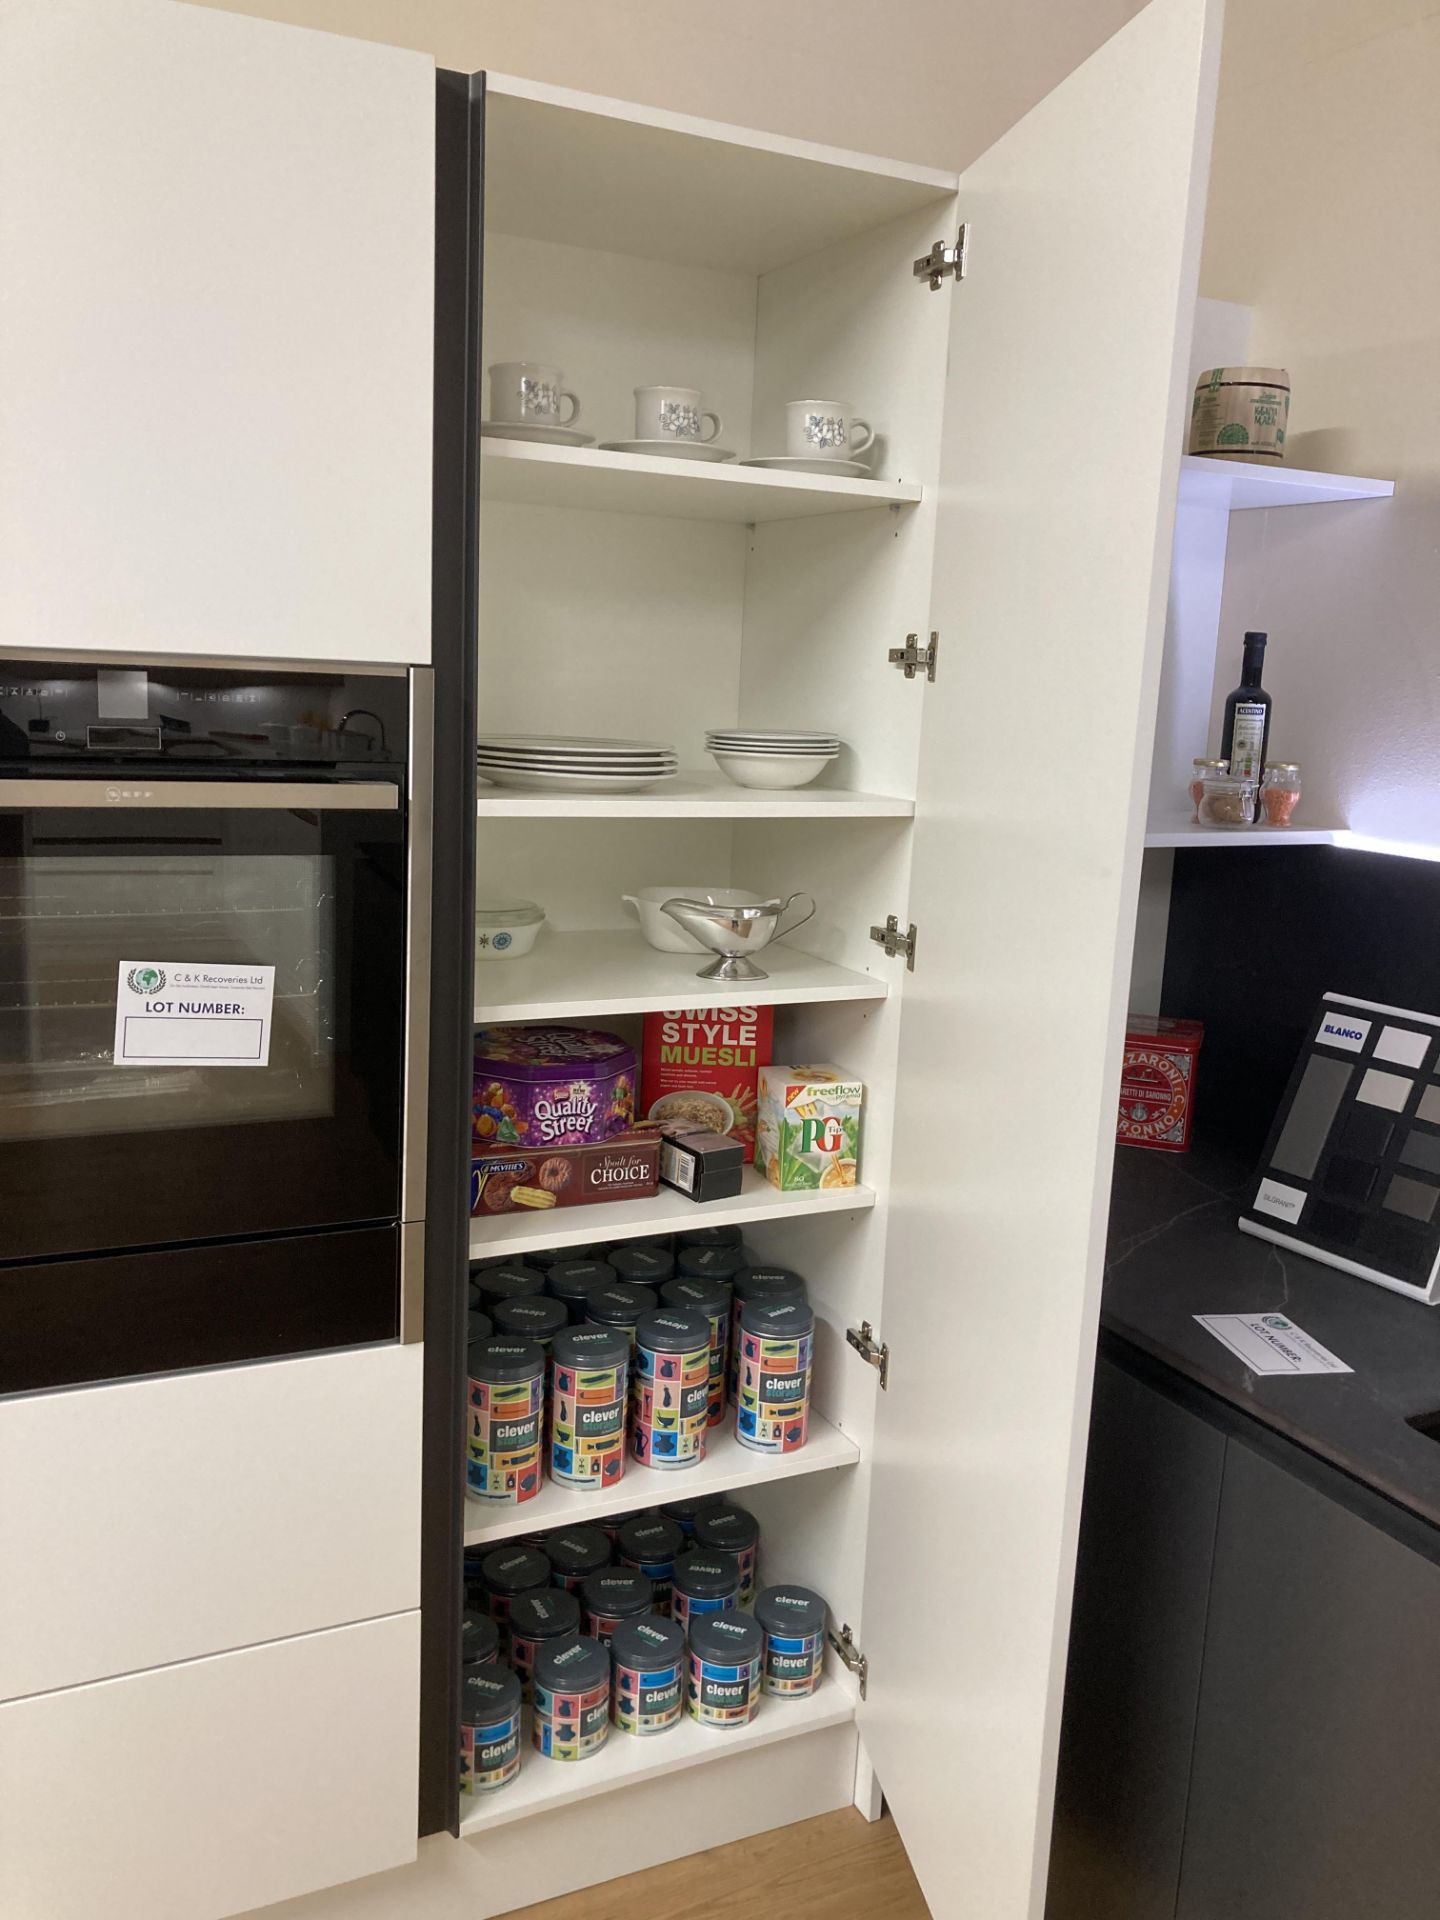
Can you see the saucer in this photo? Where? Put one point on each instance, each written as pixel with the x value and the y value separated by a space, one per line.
pixel 670 449
pixel 524 430
pixel 787 463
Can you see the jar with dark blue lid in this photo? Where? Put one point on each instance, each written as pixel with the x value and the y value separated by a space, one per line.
pixel 725 1655
pixel 571 1280
pixel 489 1728
pixel 793 1622
pixel 642 1266
pixel 618 1305
pixel 536 1317
pixel 479 1639
pixel 573 1552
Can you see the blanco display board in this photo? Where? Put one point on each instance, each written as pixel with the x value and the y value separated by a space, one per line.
pixel 170 1013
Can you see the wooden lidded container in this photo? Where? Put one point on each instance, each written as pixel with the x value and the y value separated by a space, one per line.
pixel 1239 413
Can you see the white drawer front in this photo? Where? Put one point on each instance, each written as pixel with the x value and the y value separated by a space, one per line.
pixel 205 1789
pixel 160 1520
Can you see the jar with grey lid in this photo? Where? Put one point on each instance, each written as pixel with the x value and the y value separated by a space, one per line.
pixel 670 1388
pixel 642 1266
pixel 489 1728
pixel 723 1681
pixel 512 1281
pixel 506 1573
pixel 651 1545
pixel 613 1595
pixel 619 1305
pixel 479 1639
pixel 536 1317
pixel 572 1699
pixel 649 1685
pixel 535 1619
pixel 772 1395
pixel 704 1582
pixel 731 1529
pixel 713 1299
pixel 570 1279
pixel 573 1552
pixel 758 1283
pixel 793 1622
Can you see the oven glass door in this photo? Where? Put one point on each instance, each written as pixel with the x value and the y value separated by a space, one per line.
pixel 112 909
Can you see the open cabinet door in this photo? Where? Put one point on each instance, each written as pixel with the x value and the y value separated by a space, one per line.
pixel 1064 420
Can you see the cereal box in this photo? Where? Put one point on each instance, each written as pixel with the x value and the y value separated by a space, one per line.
pixel 699 1067
pixel 1157 1082
pixel 809 1127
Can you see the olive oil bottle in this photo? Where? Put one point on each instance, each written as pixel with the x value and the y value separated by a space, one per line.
pixel 1246 737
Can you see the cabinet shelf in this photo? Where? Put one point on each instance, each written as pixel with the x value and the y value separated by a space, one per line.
pixel 625 1761
pixel 529 474
pixel 1186 833
pixel 1238 484
pixel 666 1212
pixel 726 1466
pixel 695 796
pixel 574 974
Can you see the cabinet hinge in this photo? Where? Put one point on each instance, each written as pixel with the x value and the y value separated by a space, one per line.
pixel 862 1338
pixel 943 259
pixel 895 942
pixel 910 658
pixel 844 1644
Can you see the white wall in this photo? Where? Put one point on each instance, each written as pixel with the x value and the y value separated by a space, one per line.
pixel 933 81
pixel 1323 214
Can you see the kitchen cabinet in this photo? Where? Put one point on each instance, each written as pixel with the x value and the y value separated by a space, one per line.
pixel 1252 1693
pixel 649 598
pixel 217 325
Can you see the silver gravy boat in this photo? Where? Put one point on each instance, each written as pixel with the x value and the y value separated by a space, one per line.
pixel 733 933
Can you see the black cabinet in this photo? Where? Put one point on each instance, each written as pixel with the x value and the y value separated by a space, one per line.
pixel 1252 1706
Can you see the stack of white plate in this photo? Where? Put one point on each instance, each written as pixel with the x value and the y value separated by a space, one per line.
pixel 572 763
pixel 771 757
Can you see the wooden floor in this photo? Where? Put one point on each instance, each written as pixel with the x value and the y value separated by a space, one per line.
pixel 839 1867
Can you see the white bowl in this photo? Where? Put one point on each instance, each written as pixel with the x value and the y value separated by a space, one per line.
pixel 661 931
pixel 504 933
pixel 771 770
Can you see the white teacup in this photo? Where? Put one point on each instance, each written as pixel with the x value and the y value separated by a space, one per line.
pixel 672 413
pixel 523 393
pixel 825 430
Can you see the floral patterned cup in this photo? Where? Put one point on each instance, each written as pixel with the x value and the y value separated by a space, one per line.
pixel 825 430
pixel 523 393
pixel 672 413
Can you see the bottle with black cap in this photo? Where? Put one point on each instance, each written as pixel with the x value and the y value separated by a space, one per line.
pixel 1246 738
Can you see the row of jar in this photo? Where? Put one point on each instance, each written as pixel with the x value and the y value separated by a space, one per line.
pixel 572 1370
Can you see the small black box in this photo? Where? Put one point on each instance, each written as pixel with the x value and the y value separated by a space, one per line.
pixel 702 1166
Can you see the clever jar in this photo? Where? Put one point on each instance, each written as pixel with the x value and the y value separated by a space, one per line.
pixel 793 1622
pixel 735 1530
pixel 723 1679
pixel 772 1398
pixel 535 1620
pixel 589 1390
pixel 612 1595
pixel 713 1298
pixel 489 1728
pixel 704 1582
pixel 670 1388
pixel 572 1699
pixel 651 1545
pixel 503 1421
pixel 649 1682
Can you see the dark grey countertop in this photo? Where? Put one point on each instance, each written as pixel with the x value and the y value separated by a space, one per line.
pixel 1175 1251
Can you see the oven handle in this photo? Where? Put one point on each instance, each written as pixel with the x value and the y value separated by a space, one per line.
pixel 415 1113
pixel 311 796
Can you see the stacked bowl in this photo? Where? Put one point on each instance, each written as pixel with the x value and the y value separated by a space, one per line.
pixel 573 763
pixel 771 757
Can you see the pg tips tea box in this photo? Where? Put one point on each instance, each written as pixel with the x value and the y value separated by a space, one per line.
pixel 809 1127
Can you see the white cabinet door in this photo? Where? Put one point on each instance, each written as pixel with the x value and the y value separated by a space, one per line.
pixel 152 1521
pixel 1064 418
pixel 206 1789
pixel 216 274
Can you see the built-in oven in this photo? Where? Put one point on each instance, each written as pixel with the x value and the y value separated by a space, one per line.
pixel 214 923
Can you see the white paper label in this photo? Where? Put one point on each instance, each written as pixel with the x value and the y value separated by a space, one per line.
pixel 1271 1343
pixel 174 1013
pixel 1285 1203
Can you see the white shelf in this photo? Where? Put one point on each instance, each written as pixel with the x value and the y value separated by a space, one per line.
pixel 1185 833
pixel 573 974
pixel 541 476
pixel 694 796
pixel 1238 484
pixel 624 1761
pixel 726 1466
pixel 667 1212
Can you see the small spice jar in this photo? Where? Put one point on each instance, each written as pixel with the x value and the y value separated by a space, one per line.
pixel 589 1388
pixel 479 1639
pixel 1201 771
pixel 506 1573
pixel 793 1622
pixel 734 1530
pixel 619 1305
pixel 723 1679
pixel 573 1552
pixel 534 1619
pixel 648 1694
pixel 1280 793
pixel 570 1280
pixel 704 1582
pixel 511 1281
pixel 772 1401
pixel 489 1728
pixel 572 1699
pixel 1227 803
pixel 536 1318
pixel 670 1388
pixel 502 1438
pixel 642 1266
pixel 651 1545
pixel 616 1594
pixel 758 1283
pixel 713 1298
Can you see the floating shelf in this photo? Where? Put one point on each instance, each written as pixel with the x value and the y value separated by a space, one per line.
pixel 726 1466
pixel 624 1761
pixel 1238 484
pixel 533 475
pixel 694 796
pixel 1185 833
pixel 574 974
pixel 667 1212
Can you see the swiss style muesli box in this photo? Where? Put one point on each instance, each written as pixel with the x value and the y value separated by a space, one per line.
pixel 809 1127
pixel 700 1067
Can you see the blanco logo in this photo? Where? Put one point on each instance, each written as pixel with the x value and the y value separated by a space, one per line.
pixel 1344 1030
